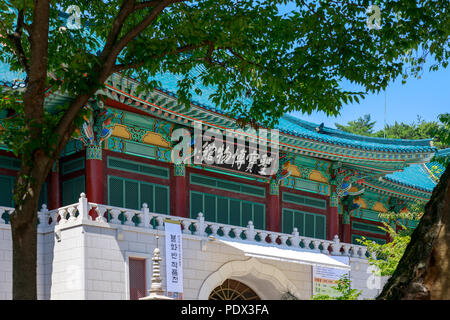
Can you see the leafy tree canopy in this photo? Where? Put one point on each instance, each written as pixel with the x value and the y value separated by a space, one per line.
pixel 280 62
pixel 443 138
pixel 247 49
pixel 362 126
pixel 416 130
pixel 387 256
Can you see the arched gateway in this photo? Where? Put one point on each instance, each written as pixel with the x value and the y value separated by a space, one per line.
pixel 233 290
pixel 237 278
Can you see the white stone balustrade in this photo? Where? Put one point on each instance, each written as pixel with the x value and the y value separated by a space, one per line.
pixel 79 212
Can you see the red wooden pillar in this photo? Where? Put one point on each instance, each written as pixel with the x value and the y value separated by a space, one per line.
pixel 94 174
pixel 346 228
pixel 180 191
pixel 54 190
pixel 333 224
pixel 273 214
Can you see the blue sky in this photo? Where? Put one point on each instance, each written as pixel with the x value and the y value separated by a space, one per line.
pixel 427 97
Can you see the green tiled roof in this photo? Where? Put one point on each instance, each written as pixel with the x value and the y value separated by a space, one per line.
pixel 295 126
pixel 287 124
pixel 421 176
pixel 415 176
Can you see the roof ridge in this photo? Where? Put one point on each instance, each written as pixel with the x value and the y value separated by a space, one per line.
pixel 353 136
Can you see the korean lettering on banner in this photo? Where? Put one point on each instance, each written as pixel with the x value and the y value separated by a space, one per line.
pixel 174 259
pixel 324 278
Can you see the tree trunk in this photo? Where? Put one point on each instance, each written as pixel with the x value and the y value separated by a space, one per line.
pixel 424 270
pixel 24 239
pixel 24 226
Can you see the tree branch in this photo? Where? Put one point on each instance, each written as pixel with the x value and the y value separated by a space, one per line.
pixel 239 56
pixel 121 67
pixel 146 4
pixel 16 39
pixel 134 32
pixel 126 9
pixel 111 50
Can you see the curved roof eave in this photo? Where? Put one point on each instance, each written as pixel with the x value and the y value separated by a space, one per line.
pixel 288 124
pixel 414 176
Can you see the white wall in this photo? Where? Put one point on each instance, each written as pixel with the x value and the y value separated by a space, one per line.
pixel 107 266
pixel 5 262
pixel 90 261
pixel 363 279
pixel 67 274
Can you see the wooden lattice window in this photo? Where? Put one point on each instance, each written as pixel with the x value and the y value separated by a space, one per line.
pixel 308 224
pixel 233 290
pixel 71 190
pixel 6 192
pixel 137 278
pixel 137 167
pixel 227 210
pixel 241 188
pixel 127 193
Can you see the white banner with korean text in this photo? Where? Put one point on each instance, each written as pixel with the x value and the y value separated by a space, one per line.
pixel 174 258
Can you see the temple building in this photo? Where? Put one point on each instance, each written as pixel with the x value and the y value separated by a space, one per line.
pixel 245 235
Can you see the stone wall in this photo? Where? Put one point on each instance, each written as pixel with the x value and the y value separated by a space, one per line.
pixel 85 259
pixel 5 262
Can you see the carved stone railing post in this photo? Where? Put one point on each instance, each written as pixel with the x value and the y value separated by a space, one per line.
pixel 250 232
pixel 200 225
pixel 336 245
pixel 83 207
pixel 146 215
pixel 42 216
pixel 295 239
